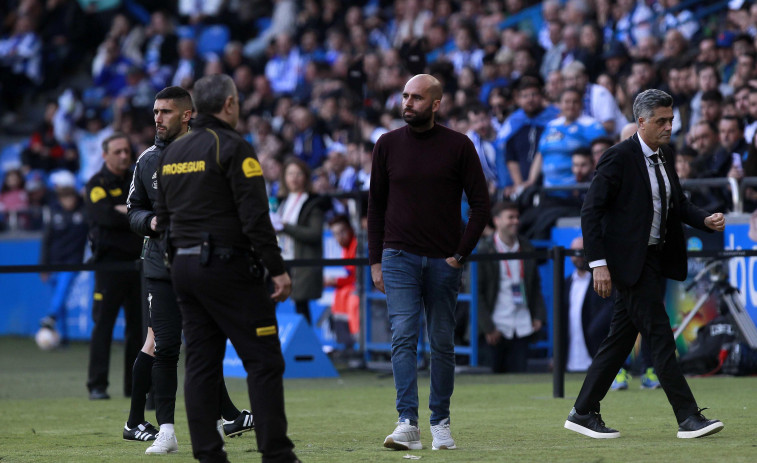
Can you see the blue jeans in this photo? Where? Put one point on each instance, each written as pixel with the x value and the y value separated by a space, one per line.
pixel 414 283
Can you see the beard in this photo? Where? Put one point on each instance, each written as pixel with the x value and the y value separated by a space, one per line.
pixel 418 119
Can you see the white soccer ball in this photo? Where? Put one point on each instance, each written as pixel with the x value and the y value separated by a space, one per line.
pixel 47 339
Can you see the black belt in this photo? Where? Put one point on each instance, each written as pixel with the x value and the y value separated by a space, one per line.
pixel 217 251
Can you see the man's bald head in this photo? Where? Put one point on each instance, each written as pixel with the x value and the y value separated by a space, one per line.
pixel 628 130
pixel 577 243
pixel 431 83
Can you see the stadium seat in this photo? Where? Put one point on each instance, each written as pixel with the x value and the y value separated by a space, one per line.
pixel 213 39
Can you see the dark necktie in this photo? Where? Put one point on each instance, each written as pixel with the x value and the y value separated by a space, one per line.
pixel 657 160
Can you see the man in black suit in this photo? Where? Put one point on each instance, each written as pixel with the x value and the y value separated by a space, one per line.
pixel 634 240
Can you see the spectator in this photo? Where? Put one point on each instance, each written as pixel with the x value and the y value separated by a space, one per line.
pixel 481 134
pixel 732 147
pixel 649 48
pixel 707 50
pixel 587 315
pixel 703 138
pixel 299 225
pixel 698 195
pixel 563 53
pixel 633 21
pixel 600 104
pixel 511 307
pixel 62 243
pixel 160 48
pixel 744 71
pixel 616 60
pixel 726 59
pixel 342 176
pixel 309 141
pixel 20 62
pixel 189 67
pixel 590 50
pixel 517 140
pixel 680 19
pixel 111 77
pixel 708 79
pixel 13 196
pixel 88 142
pixel 712 106
pixel 345 311
pixel 598 147
pixel 284 69
pixel 538 221
pixel 741 104
pixel 44 152
pixel 562 136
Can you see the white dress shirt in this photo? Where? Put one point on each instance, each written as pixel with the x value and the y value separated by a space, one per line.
pixel 654 234
pixel 578 355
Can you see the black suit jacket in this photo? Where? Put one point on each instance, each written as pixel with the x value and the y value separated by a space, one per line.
pixel 596 314
pixel 616 217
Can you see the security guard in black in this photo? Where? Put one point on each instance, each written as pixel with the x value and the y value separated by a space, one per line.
pixel 112 241
pixel 213 200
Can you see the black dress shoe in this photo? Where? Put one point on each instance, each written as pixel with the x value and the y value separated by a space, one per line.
pixel 698 426
pixel 590 425
pixel 98 394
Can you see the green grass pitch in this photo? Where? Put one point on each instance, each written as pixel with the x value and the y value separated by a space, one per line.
pixel 45 417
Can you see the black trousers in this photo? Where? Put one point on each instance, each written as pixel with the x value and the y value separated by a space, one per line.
pixel 219 301
pixel 639 309
pixel 113 289
pixel 510 355
pixel 165 318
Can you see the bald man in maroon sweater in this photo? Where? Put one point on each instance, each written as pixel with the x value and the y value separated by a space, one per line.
pixel 417 245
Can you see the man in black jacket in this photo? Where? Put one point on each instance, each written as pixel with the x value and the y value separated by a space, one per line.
pixel 172 111
pixel 632 226
pixel 212 200
pixel 112 241
pixel 510 305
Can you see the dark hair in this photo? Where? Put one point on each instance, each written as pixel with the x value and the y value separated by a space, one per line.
pixel 111 137
pixel 606 140
pixel 211 92
pixel 181 97
pixel 505 205
pixel 642 60
pixel 340 218
pixel 529 81
pixel 582 151
pixel 713 95
pixel 738 120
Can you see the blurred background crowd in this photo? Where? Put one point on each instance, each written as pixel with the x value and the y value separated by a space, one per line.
pixel 541 88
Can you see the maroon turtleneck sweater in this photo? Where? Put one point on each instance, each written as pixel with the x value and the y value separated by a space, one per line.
pixel 417 182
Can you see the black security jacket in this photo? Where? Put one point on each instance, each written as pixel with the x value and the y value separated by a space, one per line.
pixel 210 181
pixel 109 231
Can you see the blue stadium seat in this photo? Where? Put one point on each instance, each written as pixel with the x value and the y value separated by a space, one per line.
pixel 212 39
pixel 11 155
pixel 186 32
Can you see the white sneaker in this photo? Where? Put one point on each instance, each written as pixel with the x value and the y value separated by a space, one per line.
pixel 164 443
pixel 442 438
pixel 405 437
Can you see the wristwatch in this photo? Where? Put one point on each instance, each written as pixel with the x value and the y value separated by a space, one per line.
pixel 460 259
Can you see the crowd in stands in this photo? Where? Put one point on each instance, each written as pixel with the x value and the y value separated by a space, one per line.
pixel 531 83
